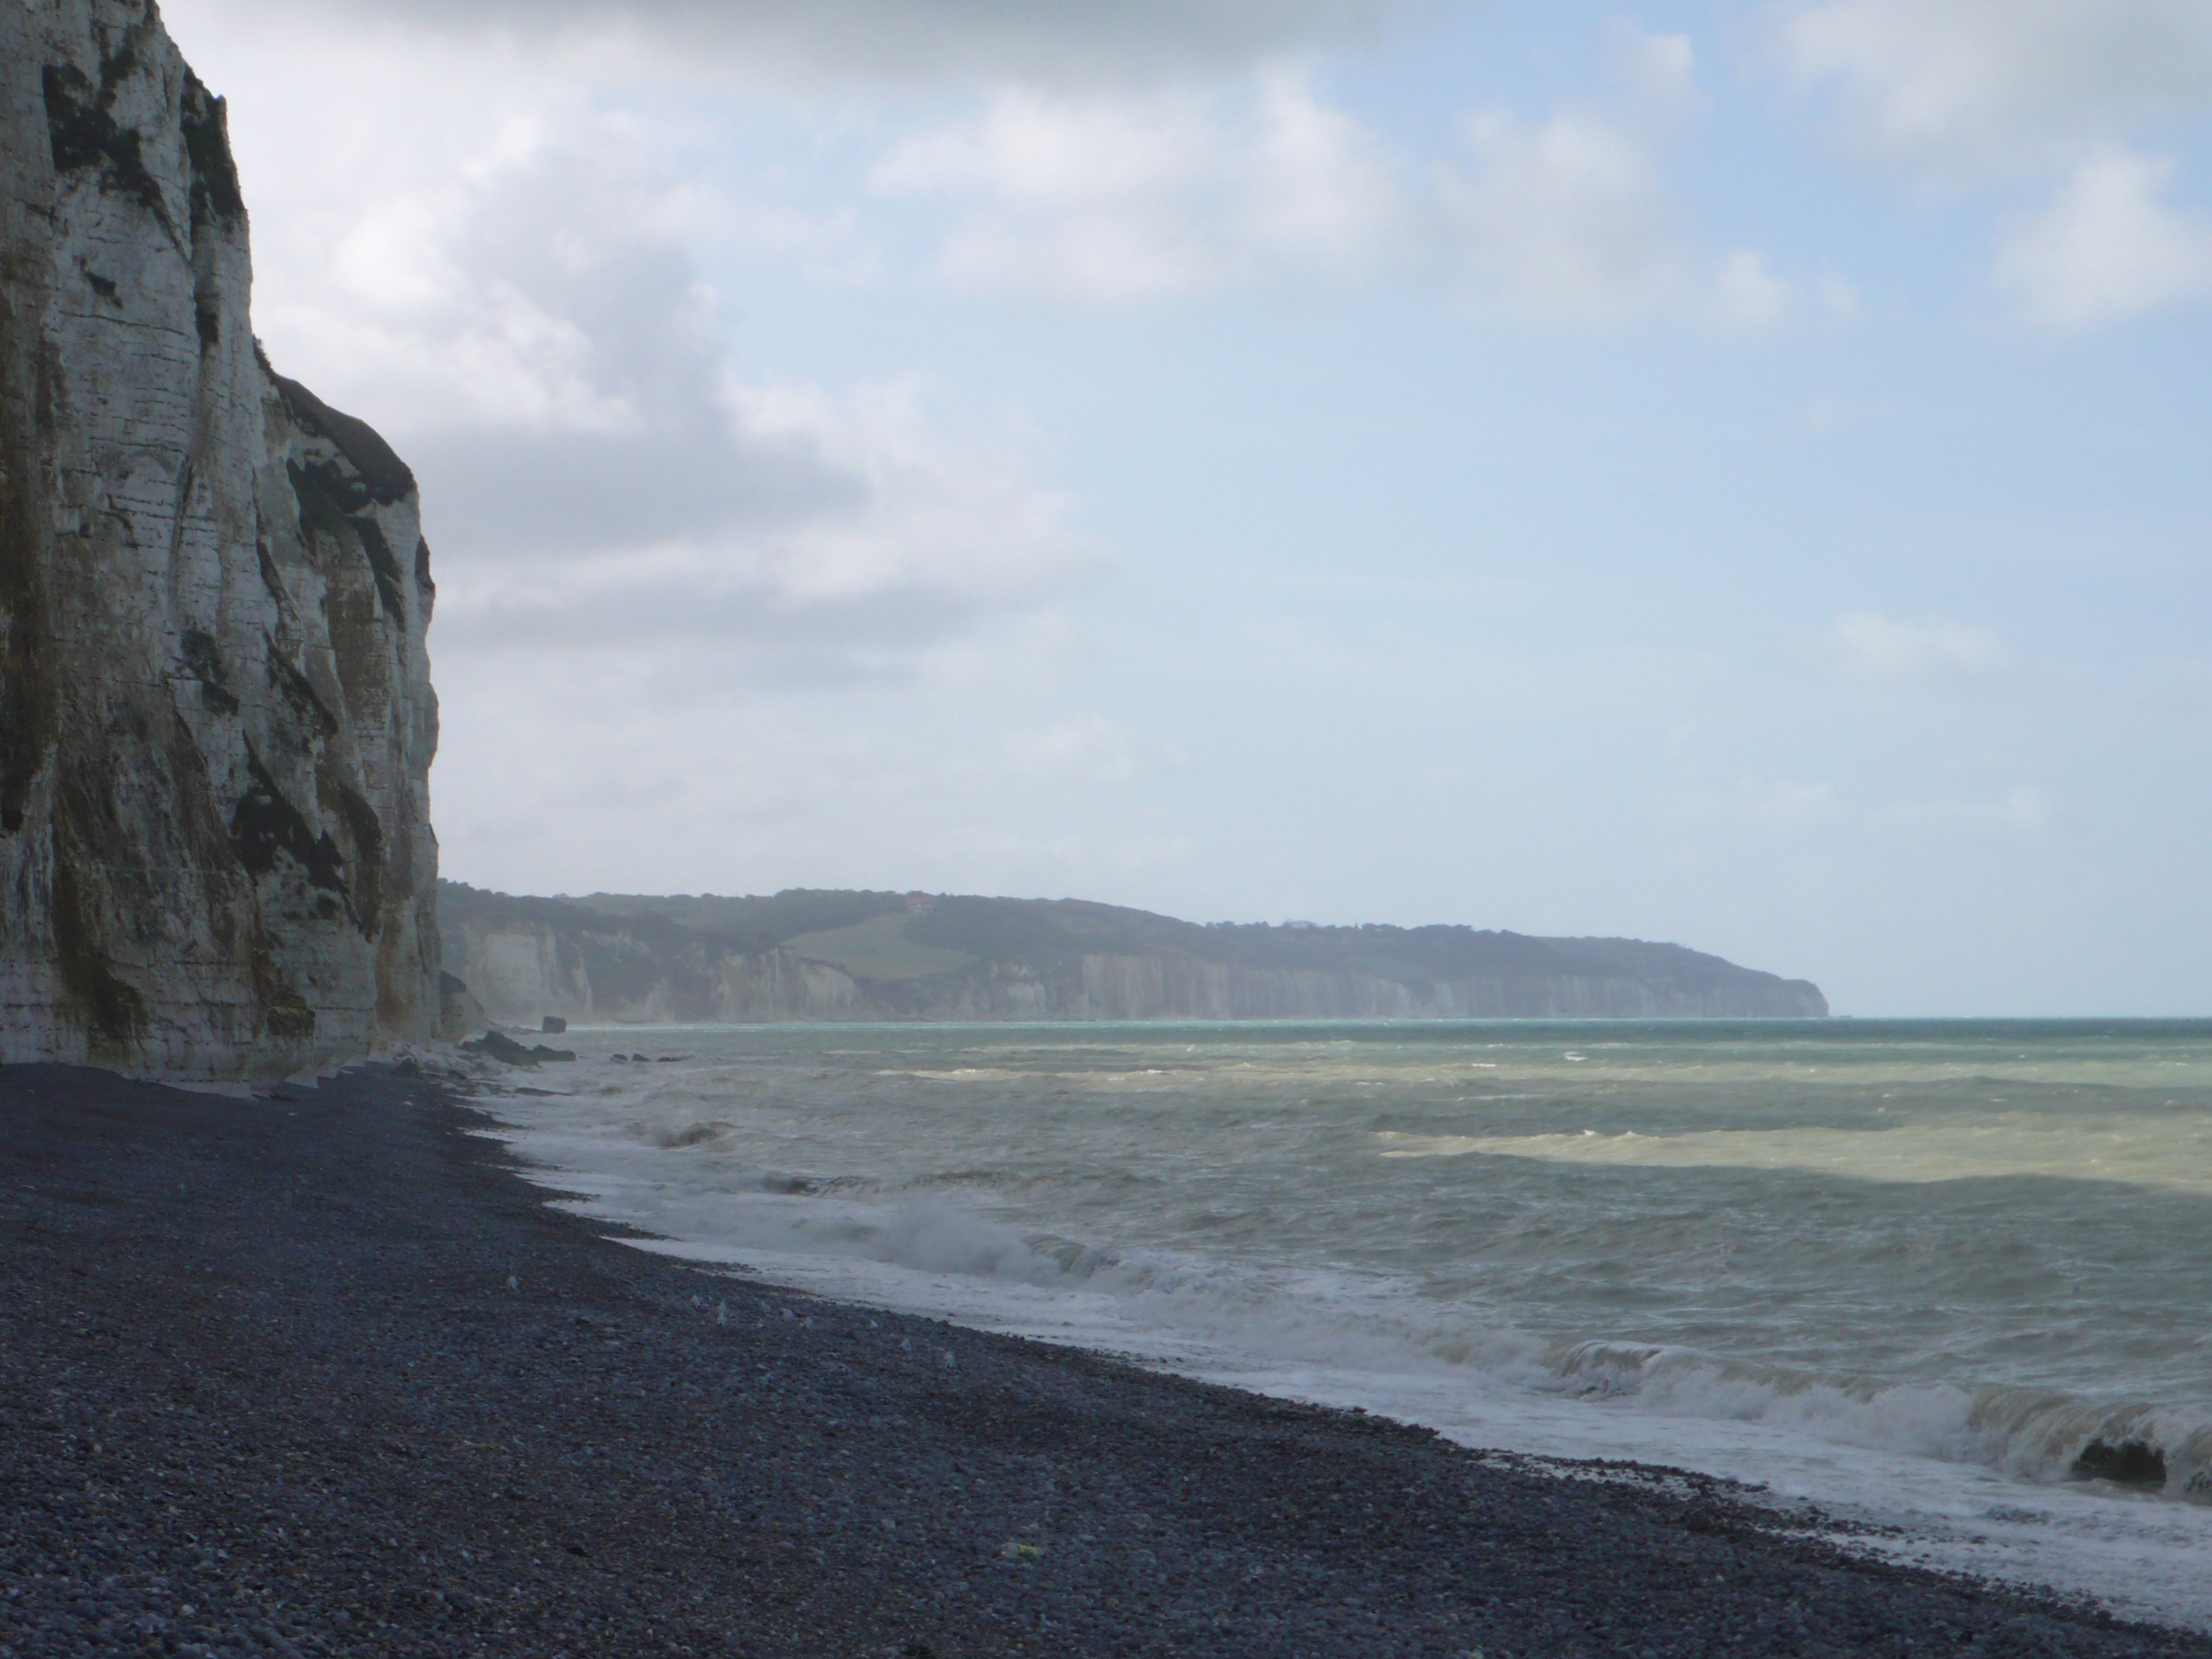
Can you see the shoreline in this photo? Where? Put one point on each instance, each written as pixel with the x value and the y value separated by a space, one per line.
pixel 326 1369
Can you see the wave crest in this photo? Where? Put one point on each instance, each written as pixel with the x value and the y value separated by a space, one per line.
pixel 2038 1434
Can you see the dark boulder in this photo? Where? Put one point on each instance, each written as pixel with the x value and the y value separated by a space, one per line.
pixel 497 1045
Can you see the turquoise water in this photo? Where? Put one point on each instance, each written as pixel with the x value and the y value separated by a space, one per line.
pixel 1977 1248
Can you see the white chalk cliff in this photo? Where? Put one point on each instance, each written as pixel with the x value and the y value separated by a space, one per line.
pixel 215 715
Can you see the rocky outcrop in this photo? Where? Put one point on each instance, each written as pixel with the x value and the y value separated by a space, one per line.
pixel 459 1011
pixel 215 715
pixel 634 961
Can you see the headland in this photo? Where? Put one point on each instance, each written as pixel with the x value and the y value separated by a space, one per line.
pixel 811 955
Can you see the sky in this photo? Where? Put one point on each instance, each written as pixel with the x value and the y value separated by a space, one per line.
pixel 1729 473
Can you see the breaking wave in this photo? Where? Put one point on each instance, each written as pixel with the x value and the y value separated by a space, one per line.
pixel 2034 1433
pixel 1932 1279
pixel 1352 1320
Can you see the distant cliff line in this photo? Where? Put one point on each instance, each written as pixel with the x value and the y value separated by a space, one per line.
pixel 828 955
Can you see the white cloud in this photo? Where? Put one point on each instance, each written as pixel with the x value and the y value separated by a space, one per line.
pixel 898 40
pixel 1572 220
pixel 913 540
pixel 2024 810
pixel 506 289
pixel 2109 247
pixel 1746 289
pixel 1835 411
pixel 1655 75
pixel 1763 803
pixel 1783 808
pixel 1958 91
pixel 1872 646
pixel 1115 199
pixel 444 281
pixel 1100 200
pixel 1092 751
pixel 1964 87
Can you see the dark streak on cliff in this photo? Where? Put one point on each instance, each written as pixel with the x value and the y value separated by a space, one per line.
pixel 207 143
pixel 299 692
pixel 203 662
pixel 84 132
pixel 113 1009
pixel 271 582
pixel 318 510
pixel 383 477
pixel 26 687
pixel 367 835
pixel 329 496
pixel 266 824
pixel 384 568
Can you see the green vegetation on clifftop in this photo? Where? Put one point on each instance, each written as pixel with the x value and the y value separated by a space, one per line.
pixel 806 954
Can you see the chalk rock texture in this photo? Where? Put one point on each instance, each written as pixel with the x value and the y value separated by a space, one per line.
pixel 215 715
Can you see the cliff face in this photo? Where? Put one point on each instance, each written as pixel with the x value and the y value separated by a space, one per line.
pixel 215 715
pixel 637 961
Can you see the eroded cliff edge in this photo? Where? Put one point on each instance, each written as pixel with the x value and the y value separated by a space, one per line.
pixel 215 715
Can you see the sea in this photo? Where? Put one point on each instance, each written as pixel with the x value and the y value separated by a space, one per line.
pixel 1949 1281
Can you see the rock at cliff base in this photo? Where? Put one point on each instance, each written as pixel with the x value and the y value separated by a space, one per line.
pixel 459 1010
pixel 497 1045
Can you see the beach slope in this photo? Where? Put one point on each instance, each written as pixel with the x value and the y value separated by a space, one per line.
pixel 318 1373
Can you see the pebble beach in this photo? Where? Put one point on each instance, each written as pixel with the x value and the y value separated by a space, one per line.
pixel 317 1372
